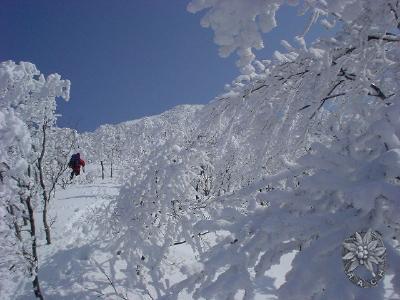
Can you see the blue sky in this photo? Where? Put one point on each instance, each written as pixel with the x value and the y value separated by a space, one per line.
pixel 125 58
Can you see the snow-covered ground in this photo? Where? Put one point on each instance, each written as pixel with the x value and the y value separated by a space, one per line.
pixel 301 152
pixel 77 265
pixel 65 264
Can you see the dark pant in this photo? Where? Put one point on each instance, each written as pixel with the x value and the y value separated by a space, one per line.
pixel 75 172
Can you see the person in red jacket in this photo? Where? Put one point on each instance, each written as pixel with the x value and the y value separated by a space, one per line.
pixel 75 163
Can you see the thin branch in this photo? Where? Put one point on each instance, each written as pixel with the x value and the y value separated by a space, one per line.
pixel 348 51
pixel 258 88
pixel 333 96
pixel 109 280
pixel 184 241
pixel 179 243
pixel 329 96
pixel 378 91
pixel 351 76
pixel 304 107
pixel 386 38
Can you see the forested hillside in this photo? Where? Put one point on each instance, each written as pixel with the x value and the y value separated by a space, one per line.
pixel 299 153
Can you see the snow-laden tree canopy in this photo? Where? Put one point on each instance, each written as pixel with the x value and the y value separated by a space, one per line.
pixel 300 153
pixel 239 25
pixel 27 103
pixel 27 99
pixel 293 160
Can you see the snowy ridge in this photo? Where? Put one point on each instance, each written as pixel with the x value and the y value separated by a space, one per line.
pixel 295 160
pixel 289 162
pixel 268 155
pixel 130 143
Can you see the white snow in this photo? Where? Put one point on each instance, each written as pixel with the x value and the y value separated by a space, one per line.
pixel 66 265
pixel 248 197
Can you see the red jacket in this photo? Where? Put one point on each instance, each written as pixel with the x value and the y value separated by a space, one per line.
pixel 77 167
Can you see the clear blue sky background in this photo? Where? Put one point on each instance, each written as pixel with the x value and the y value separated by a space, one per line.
pixel 125 58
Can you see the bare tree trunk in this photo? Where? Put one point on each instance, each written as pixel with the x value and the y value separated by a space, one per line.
pixel 102 169
pixel 17 227
pixel 111 168
pixel 46 197
pixel 24 217
pixel 34 259
pixel 46 224
pixel 31 258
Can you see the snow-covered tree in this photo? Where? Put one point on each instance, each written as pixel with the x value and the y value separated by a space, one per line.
pixel 303 153
pixel 14 149
pixel 27 111
pixel 238 26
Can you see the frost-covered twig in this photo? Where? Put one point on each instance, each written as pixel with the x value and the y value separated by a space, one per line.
pixel 110 282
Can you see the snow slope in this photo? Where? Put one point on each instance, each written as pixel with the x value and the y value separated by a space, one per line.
pixel 214 156
pixel 291 161
pixel 76 265
pixel 65 265
pixel 86 252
